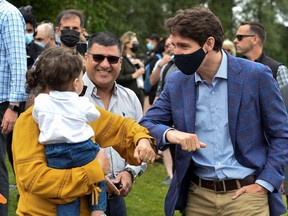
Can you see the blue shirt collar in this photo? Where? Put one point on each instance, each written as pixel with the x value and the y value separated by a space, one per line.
pixel 222 70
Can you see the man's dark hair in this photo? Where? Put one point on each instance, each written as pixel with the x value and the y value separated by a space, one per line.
pixel 154 37
pixel 198 24
pixel 160 48
pixel 29 18
pixel 104 39
pixel 67 14
pixel 256 28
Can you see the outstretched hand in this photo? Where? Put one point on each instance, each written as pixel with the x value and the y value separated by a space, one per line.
pixel 189 142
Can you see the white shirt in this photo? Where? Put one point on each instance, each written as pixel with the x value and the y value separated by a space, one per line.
pixel 123 102
pixel 62 117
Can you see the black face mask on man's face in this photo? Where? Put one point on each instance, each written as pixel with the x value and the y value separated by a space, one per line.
pixel 69 37
pixel 189 63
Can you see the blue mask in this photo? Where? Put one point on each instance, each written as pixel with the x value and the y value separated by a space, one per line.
pixel 150 46
pixel 189 63
pixel 28 38
pixel 40 44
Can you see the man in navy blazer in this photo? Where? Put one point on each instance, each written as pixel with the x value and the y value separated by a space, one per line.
pixel 228 121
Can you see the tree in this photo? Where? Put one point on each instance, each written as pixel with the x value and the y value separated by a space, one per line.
pixel 148 16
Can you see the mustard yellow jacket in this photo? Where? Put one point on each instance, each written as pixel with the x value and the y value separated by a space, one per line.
pixel 41 187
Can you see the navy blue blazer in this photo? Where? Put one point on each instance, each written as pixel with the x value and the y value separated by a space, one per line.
pixel 255 108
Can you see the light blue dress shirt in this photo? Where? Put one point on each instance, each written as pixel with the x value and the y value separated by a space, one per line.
pixel 217 160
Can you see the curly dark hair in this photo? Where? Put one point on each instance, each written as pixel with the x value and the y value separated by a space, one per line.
pixel 55 69
pixel 198 24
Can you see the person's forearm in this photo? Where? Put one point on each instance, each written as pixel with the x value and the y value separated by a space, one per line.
pixel 155 75
pixel 120 133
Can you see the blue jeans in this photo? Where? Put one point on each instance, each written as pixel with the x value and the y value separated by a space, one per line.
pixel 4 183
pixel 67 156
pixel 116 207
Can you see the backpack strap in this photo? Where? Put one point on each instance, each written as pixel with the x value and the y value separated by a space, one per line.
pixel 170 63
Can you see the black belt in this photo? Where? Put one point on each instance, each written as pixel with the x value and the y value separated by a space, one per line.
pixel 225 185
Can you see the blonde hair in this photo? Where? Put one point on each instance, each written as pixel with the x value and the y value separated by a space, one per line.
pixel 126 38
pixel 229 47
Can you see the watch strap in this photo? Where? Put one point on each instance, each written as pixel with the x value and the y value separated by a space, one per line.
pixel 15 108
pixel 131 172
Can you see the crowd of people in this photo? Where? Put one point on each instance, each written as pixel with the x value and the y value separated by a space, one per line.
pixel 92 119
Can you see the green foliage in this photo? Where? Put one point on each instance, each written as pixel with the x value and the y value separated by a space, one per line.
pixel 148 16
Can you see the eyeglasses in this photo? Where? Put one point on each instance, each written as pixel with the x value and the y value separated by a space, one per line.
pixel 100 58
pixel 240 37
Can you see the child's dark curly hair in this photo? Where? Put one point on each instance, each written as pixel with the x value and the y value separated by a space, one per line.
pixel 55 69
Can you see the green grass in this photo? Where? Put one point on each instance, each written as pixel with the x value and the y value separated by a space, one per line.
pixel 146 198
pixel 13 192
pixel 148 193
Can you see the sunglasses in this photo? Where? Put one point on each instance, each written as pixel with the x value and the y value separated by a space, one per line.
pixel 240 37
pixel 100 58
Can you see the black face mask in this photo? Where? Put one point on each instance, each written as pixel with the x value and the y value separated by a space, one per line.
pixel 135 47
pixel 189 63
pixel 69 37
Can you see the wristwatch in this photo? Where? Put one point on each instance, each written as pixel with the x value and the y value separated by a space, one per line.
pixel 15 108
pixel 132 173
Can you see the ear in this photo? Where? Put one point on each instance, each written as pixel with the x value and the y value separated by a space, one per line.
pixel 75 84
pixel 256 40
pixel 85 57
pixel 57 29
pixel 209 44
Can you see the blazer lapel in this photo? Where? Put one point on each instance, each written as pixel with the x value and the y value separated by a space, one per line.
pixel 235 83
